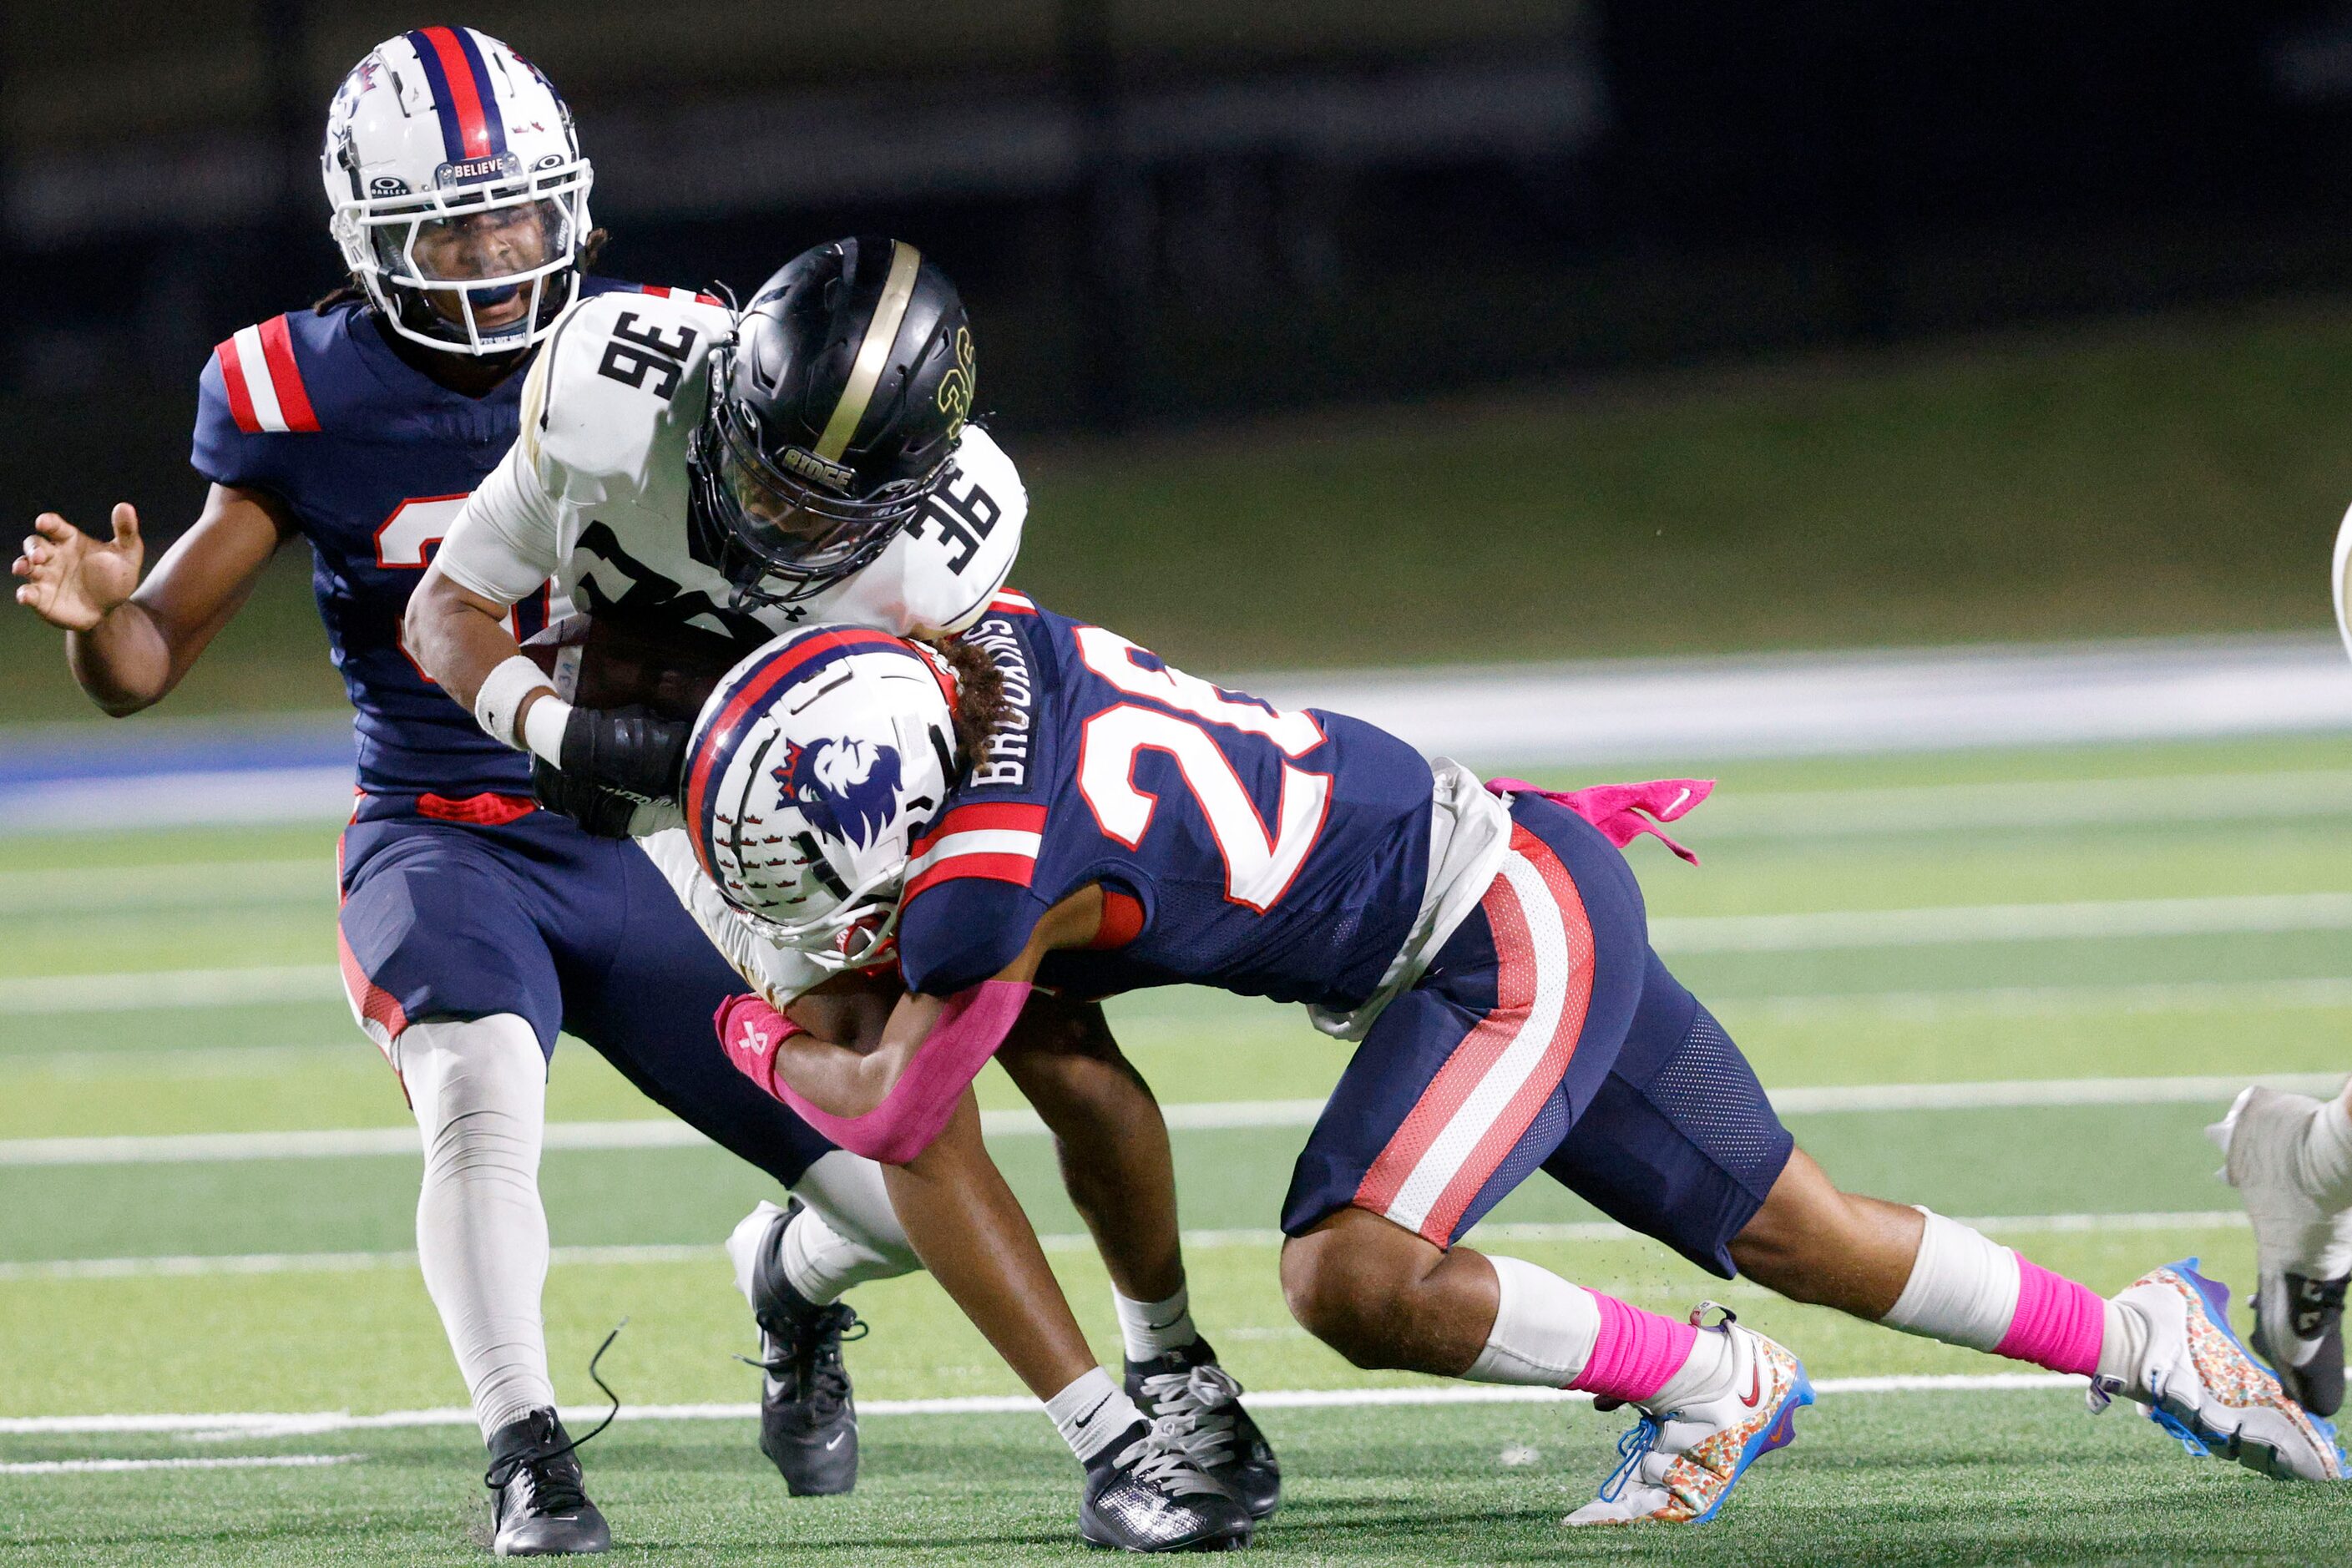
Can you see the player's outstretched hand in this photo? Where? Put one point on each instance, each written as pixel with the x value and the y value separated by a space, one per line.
pixel 72 580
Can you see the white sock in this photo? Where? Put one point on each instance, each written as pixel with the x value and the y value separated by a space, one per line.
pixel 1705 1375
pixel 480 1089
pixel 1963 1288
pixel 1545 1329
pixel 2123 1352
pixel 845 1234
pixel 1153 1329
pixel 2326 1166
pixel 1091 1413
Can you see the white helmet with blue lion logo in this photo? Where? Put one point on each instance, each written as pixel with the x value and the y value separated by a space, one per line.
pixel 814 765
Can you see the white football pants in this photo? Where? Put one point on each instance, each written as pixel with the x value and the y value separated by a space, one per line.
pixel 479 1089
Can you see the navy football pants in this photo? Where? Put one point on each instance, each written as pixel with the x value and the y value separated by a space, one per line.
pixel 447 920
pixel 1546 1035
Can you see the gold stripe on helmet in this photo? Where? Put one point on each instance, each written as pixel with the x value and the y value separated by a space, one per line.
pixel 898 290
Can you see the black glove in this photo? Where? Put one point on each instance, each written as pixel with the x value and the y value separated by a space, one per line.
pixel 599 812
pixel 625 750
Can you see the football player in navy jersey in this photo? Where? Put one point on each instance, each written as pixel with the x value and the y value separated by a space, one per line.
pixel 474 925
pixel 689 472
pixel 1045 804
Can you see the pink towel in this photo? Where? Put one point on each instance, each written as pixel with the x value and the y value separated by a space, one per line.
pixel 1618 809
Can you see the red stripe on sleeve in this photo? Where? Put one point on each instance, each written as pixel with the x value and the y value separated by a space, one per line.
pixel 1017 870
pixel 982 817
pixel 240 401
pixel 465 93
pixel 293 402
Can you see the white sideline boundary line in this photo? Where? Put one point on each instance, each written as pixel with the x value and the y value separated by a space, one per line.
pixel 203 1265
pixel 187 1148
pixel 1823 930
pixel 261 1424
pixel 112 1467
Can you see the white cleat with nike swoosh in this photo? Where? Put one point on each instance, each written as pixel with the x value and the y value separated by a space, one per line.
pixel 1680 1464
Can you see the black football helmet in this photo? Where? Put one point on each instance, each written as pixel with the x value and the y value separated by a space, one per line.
pixel 834 410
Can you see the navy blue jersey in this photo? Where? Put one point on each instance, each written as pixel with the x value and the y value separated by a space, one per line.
pixel 374 458
pixel 1271 853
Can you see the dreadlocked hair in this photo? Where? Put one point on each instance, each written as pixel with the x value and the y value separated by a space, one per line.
pixel 980 704
pixel 349 291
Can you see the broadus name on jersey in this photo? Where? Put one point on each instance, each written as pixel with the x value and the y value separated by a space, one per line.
pixel 606 420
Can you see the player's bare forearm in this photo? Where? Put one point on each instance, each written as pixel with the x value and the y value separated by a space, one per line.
pixel 129 643
pixel 971 1235
pixel 456 636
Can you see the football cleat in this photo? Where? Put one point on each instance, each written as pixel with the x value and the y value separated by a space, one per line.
pixel 808 1417
pixel 1187 1386
pixel 2299 1330
pixel 2302 1255
pixel 1679 1466
pixel 539 1500
pixel 1146 1492
pixel 2202 1385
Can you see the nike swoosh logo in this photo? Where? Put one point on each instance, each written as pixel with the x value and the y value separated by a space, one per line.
pixel 1755 1393
pixel 838 1439
pixel 1171 1323
pixel 1083 1421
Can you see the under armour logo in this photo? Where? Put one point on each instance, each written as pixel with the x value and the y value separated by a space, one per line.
pixel 756 1041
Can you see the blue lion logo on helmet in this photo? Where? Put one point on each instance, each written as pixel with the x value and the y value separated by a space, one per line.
pixel 847 789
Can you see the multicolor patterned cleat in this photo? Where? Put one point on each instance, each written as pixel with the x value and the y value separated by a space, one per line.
pixel 1680 1466
pixel 2201 1384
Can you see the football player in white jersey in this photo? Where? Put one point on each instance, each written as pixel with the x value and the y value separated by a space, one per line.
pixel 2290 1157
pixel 682 469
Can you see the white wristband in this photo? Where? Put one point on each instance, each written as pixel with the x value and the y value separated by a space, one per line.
pixel 501 697
pixel 543 727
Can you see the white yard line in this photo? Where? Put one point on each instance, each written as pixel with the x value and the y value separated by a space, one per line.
pixel 1830 929
pixel 169 885
pixel 1819 930
pixel 199 1266
pixel 2046 802
pixel 248 1424
pixel 2044 1001
pixel 112 1467
pixel 133 989
pixel 331 1143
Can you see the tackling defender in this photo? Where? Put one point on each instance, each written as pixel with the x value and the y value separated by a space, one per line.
pixel 473 924
pixel 683 471
pixel 1126 825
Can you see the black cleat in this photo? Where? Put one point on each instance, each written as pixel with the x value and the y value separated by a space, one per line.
pixel 2299 1330
pixel 538 1502
pixel 1188 1386
pixel 808 1418
pixel 1146 1493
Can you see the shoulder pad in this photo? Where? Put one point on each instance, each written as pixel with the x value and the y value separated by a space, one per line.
pixel 619 371
pixel 962 547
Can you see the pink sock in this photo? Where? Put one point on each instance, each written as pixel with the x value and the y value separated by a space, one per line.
pixel 2059 1324
pixel 1635 1353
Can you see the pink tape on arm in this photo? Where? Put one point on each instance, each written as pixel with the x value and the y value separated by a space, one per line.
pixel 2059 1324
pixel 1617 809
pixel 1635 1353
pixel 916 1111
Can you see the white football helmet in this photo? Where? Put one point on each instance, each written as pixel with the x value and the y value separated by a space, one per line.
pixel 460 197
pixel 814 766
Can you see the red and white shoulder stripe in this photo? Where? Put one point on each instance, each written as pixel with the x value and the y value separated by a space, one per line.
pixel 1012 601
pixel 998 842
pixel 265 384
pixel 659 292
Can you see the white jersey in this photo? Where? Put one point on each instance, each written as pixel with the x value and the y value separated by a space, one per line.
pixel 591 500
pixel 590 503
